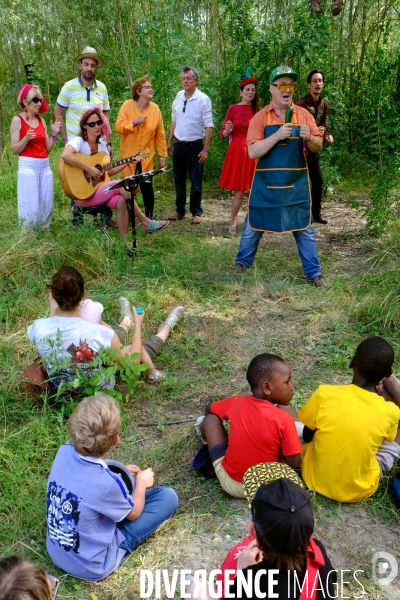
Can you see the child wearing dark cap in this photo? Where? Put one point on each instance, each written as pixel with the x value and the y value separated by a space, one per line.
pixel 353 430
pixel 259 431
pixel 280 540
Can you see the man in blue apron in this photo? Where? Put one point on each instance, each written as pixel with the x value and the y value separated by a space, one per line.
pixel 280 198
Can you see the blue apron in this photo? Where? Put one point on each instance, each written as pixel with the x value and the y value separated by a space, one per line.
pixel 280 198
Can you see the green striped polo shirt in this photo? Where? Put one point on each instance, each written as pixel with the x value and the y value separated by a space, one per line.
pixel 75 97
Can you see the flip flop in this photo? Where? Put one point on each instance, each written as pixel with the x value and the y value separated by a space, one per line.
pixel 157 226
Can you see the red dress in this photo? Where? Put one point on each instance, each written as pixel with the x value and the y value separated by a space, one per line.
pixel 238 169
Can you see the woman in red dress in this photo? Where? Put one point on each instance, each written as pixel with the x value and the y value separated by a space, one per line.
pixel 238 169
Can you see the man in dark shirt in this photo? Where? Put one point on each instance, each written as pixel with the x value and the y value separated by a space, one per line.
pixel 318 108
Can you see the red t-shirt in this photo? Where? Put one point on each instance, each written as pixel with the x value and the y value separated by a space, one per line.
pixel 231 560
pixel 259 432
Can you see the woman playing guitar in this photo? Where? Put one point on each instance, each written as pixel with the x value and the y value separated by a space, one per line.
pixel 94 125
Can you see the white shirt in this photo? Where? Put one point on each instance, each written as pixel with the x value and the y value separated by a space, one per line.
pixel 190 124
pixel 83 147
pixel 65 343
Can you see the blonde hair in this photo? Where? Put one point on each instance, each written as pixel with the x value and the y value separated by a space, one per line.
pixel 34 91
pixel 21 580
pixel 137 85
pixel 94 424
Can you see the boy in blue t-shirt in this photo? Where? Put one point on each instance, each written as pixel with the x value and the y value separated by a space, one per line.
pixel 92 520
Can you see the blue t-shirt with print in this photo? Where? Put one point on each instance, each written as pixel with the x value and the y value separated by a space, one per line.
pixel 84 503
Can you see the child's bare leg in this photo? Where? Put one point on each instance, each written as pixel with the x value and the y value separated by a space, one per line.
pixel 126 323
pixel 212 429
pixel 164 332
pixel 146 360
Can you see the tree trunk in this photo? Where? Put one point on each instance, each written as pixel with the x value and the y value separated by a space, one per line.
pixel 214 26
pixel 122 42
pixel 17 66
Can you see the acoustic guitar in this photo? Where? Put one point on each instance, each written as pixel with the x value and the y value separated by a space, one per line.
pixel 77 183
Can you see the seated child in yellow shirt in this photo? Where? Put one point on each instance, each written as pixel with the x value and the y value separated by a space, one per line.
pixel 353 430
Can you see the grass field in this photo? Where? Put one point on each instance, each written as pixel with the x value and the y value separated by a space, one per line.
pixel 229 319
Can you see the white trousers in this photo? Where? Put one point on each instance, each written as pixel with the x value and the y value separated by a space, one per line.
pixel 35 191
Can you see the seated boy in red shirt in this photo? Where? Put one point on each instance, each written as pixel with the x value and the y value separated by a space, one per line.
pixel 259 431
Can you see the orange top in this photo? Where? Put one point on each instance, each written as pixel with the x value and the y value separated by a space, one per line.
pixel 148 134
pixel 255 132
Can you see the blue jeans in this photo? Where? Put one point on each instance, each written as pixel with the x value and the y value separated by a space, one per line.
pixel 160 504
pixel 306 246
pixel 185 158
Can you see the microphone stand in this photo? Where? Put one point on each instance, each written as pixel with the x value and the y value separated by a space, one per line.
pixel 131 184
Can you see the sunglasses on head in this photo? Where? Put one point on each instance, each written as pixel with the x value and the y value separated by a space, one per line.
pixel 36 100
pixel 94 123
pixel 282 87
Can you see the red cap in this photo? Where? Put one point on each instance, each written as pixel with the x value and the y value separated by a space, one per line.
pixel 244 82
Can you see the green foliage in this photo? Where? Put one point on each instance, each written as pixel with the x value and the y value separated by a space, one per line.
pixel 377 310
pixel 384 195
pixel 103 373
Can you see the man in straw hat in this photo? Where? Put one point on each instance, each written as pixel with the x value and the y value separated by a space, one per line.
pixel 76 96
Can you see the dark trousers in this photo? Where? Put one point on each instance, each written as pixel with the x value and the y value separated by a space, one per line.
pixel 315 173
pixel 146 188
pixel 185 159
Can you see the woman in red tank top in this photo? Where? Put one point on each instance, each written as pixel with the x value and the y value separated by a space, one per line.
pixel 29 140
pixel 238 168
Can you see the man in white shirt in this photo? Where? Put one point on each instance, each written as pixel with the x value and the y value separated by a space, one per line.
pixel 191 123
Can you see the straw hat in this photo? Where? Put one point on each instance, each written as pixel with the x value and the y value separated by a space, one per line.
pixel 89 52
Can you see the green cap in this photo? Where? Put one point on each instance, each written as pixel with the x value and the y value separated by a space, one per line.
pixel 282 71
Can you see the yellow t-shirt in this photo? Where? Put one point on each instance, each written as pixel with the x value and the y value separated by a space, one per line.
pixel 350 424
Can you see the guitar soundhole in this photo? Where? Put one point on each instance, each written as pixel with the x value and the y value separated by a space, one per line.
pixel 102 178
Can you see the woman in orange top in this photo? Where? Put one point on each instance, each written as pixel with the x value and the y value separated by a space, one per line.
pixel 140 125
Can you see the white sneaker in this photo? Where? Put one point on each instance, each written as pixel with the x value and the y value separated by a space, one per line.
pixel 173 318
pixel 126 308
pixel 197 428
